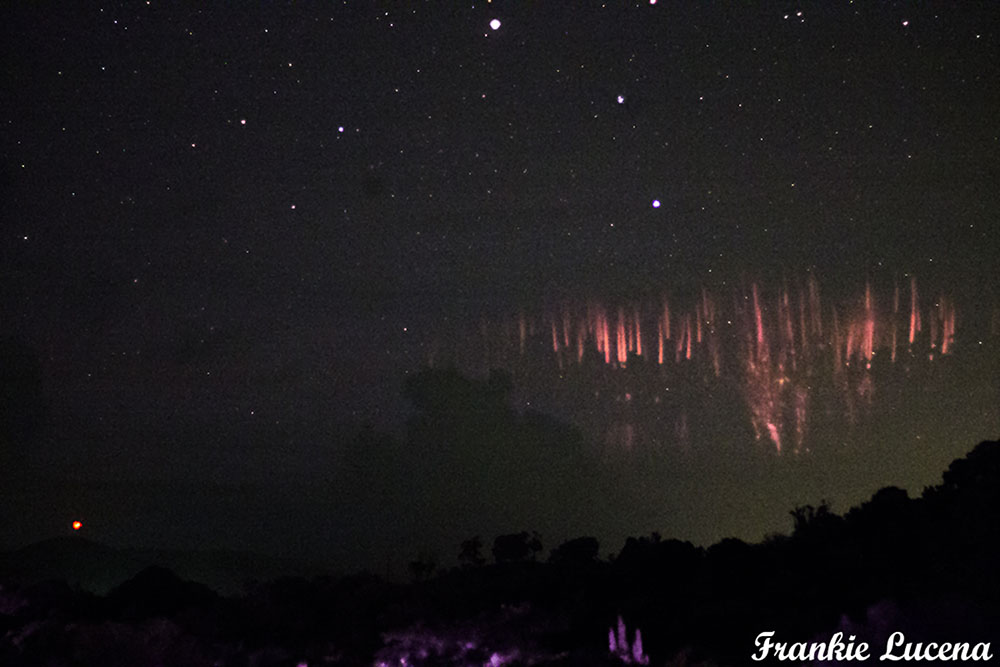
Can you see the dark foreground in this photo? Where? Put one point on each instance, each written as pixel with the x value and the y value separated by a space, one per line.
pixel 923 567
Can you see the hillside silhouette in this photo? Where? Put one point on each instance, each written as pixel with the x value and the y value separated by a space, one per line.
pixel 924 566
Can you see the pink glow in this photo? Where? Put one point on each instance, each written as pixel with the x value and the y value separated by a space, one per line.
pixel 776 356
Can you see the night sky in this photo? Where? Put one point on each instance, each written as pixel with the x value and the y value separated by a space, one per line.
pixel 230 234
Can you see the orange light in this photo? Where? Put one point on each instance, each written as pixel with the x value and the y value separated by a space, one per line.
pixel 77 525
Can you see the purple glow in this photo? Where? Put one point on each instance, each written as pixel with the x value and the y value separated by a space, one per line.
pixel 621 99
pixel 656 203
pixel 638 655
pixel 619 646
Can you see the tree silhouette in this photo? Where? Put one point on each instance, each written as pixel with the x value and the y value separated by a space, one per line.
pixel 471 554
pixel 578 550
pixel 423 567
pixel 977 473
pixel 516 547
pixel 807 518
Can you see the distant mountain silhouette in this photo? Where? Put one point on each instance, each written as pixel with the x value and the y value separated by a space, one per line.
pixel 98 567
pixel 922 566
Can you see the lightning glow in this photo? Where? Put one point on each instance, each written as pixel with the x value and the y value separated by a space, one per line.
pixel 779 350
